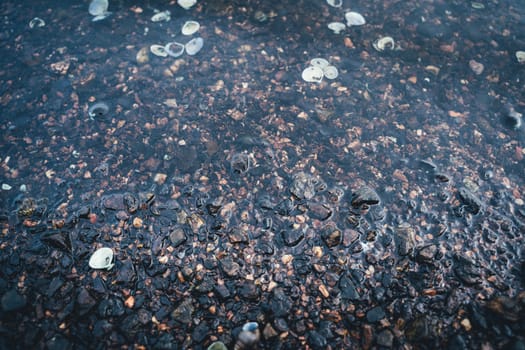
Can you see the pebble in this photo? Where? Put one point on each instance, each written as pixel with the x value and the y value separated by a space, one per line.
pixel 12 301
pixel 405 238
pixel 375 315
pixel 385 338
pixel 364 195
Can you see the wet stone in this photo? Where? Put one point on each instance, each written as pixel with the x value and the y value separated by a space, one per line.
pixel 292 237
pixel 385 338
pixel 316 340
pixel 230 267
pixel 177 237
pixel 331 235
pixel 427 254
pixel 319 211
pixel 206 285
pixel 375 315
pixel 236 235
pixel 248 290
pixel 348 289
pixel 405 238
pixel 280 303
pixel 467 270
pixel 184 312
pixel 12 301
pixel 364 195
pixel 113 202
pixel 222 291
pixel 349 237
pixel 85 301
pixel 473 203
pixel 303 186
pixel 200 332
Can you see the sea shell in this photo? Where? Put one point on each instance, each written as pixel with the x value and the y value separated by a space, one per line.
pixel 330 72
pixel 163 16
pixel 335 3
pixel 313 74
pixel 190 27
pixel 194 45
pixel 186 4
pixel 354 19
pixel 99 109
pixel 158 50
pixel 336 27
pixel 36 22
pixel 102 259
pixel 98 7
pixel 319 62
pixel 520 56
pixel 383 43
pixel 174 49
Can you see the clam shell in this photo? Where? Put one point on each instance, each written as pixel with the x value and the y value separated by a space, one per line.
pixel 386 42
pixel 161 16
pixel 158 50
pixel 319 62
pixel 330 72
pixel 37 22
pixel 194 45
pixel 186 4
pixel 354 19
pixel 520 56
pixel 313 74
pixel 335 3
pixel 190 27
pixel 174 49
pixel 102 259
pixel 336 27
pixel 98 7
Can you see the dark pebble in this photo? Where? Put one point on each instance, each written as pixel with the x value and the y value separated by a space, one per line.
pixel 376 314
pixel 200 332
pixel 292 237
pixel 177 237
pixel 348 289
pixel 248 290
pixel 427 254
pixel 12 300
pixel 364 195
pixel 331 235
pixel 385 338
pixel 405 238
pixel 85 301
pixel 319 211
pixel 230 267
pixel 184 312
pixel 473 203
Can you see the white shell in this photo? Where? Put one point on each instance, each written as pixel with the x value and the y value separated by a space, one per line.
pixel 174 49
pixel 336 27
pixel 520 56
pixel 190 27
pixel 330 72
pixel 98 7
pixel 102 259
pixel 354 19
pixel 335 3
pixel 186 4
pixel 386 42
pixel 158 50
pixel 194 45
pixel 161 16
pixel 319 62
pixel 313 74
pixel 37 22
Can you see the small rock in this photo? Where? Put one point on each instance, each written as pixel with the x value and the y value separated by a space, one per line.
pixel 331 235
pixel 230 267
pixel 427 254
pixel 385 338
pixel 303 186
pixel 177 236
pixel 364 195
pixel 473 203
pixel 12 300
pixel 376 314
pixel 316 340
pixel 405 238
pixel 184 312
pixel 249 291
pixel 476 67
pixel 292 237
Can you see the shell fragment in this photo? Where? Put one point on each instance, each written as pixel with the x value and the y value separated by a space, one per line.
pixel 194 45
pixel 99 9
pixel 520 56
pixel 386 42
pixel 354 19
pixel 319 62
pixel 158 50
pixel 174 49
pixel 336 27
pixel 313 74
pixel 163 16
pixel 36 22
pixel 186 4
pixel 102 259
pixel 335 3
pixel 190 27
pixel 330 72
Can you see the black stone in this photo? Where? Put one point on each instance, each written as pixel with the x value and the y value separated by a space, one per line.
pixel 12 300
pixel 292 237
pixel 364 195
pixel 376 314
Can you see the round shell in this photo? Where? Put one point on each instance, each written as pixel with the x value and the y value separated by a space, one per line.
pixel 386 42
pixel 330 72
pixel 190 27
pixel 158 50
pixel 174 49
pixel 520 56
pixel 313 74
pixel 163 16
pixel 335 3
pixel 102 259
pixel 336 27
pixel 354 19
pixel 194 45
pixel 98 7
pixel 319 62
pixel 37 22
pixel 186 4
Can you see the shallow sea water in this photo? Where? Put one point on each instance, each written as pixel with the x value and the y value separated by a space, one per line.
pixel 225 130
